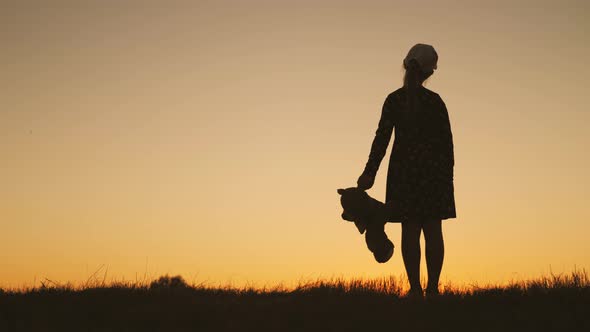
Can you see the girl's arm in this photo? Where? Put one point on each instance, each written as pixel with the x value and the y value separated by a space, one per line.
pixel 381 140
pixel 447 133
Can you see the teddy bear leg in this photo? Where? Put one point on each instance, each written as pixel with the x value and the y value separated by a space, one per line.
pixel 378 243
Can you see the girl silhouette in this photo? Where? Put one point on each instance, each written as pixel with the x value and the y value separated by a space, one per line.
pixel 419 191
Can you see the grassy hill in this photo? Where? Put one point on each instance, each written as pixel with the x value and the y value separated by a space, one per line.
pixel 556 303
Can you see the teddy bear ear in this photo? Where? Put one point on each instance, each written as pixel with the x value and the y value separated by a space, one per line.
pixel 341 191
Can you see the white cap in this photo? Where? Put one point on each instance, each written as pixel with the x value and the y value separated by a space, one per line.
pixel 424 54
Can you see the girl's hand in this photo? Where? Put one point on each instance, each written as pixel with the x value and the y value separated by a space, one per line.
pixel 365 181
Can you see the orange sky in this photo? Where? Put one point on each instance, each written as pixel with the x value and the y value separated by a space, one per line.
pixel 208 138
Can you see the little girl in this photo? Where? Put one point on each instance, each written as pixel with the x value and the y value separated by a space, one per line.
pixel 420 175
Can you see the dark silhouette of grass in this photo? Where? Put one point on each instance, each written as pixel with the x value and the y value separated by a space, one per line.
pixel 555 303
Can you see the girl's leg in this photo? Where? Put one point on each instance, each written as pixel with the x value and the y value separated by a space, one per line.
pixel 411 253
pixel 435 252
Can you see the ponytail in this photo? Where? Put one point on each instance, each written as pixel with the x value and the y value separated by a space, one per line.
pixel 413 79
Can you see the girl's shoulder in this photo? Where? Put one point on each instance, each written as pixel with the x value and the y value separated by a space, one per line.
pixel 399 95
pixel 425 94
pixel 434 98
pixel 431 93
pixel 401 92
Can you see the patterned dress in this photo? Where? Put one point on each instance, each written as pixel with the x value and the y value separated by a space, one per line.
pixel 420 174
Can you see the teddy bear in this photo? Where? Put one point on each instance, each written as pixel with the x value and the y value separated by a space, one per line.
pixel 369 217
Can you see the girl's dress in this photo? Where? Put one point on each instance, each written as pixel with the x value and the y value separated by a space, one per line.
pixel 420 174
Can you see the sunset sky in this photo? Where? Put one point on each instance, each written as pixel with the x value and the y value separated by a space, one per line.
pixel 208 138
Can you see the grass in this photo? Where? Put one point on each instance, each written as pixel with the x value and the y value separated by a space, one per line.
pixel 553 303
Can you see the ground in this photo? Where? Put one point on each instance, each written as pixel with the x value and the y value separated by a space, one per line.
pixel 168 304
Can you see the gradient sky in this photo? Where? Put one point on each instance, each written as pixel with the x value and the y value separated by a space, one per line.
pixel 208 138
